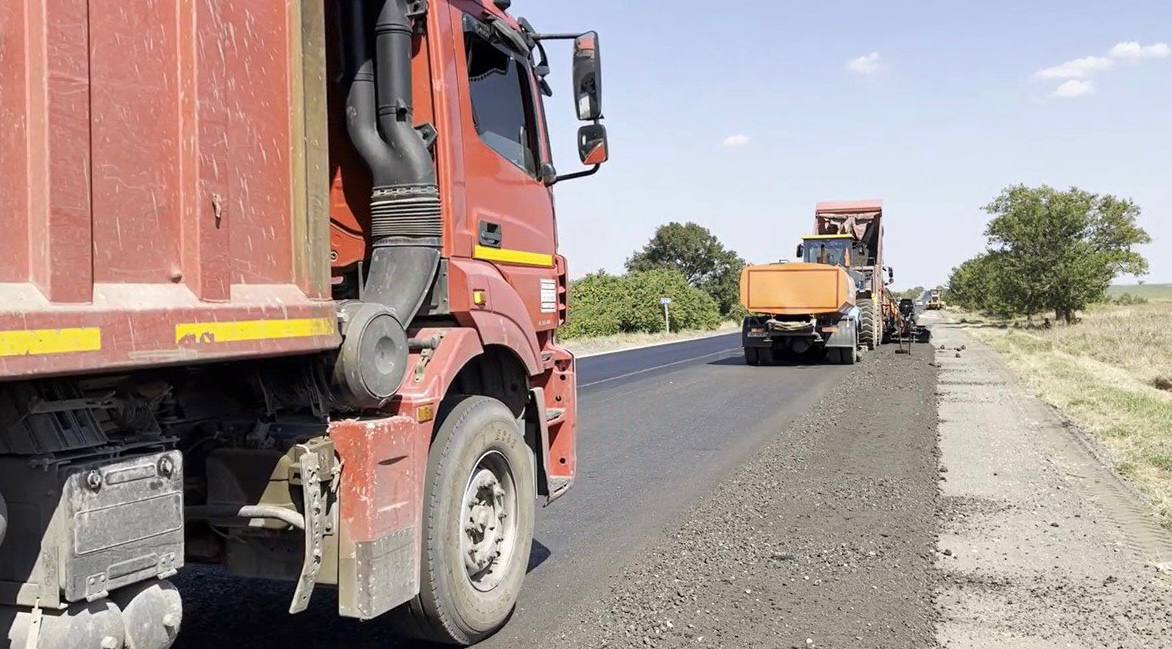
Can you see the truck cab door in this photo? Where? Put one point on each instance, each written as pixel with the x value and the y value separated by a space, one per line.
pixel 509 216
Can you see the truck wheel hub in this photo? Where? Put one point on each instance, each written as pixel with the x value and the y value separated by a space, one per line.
pixel 489 525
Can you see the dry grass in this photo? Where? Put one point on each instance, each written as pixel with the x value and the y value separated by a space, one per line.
pixel 584 346
pixel 1110 373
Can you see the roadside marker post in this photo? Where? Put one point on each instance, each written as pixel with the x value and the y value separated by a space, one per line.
pixel 666 321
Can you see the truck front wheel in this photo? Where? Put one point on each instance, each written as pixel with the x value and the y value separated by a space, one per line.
pixel 477 524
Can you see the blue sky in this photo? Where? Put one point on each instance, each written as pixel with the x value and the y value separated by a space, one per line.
pixel 741 116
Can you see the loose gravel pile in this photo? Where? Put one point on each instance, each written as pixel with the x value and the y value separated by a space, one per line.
pixel 825 539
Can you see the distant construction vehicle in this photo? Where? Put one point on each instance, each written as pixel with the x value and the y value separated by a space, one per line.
pixel 802 307
pixel 909 327
pixel 832 300
pixel 935 302
pixel 862 222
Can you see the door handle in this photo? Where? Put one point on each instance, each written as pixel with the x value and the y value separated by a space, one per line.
pixel 490 234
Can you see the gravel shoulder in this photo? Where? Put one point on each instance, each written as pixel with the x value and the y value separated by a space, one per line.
pixel 825 538
pixel 1041 544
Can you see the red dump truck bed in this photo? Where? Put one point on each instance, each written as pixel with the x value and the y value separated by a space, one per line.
pixel 153 196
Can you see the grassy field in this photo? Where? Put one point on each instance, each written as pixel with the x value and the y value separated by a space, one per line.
pixel 1112 374
pixel 1147 291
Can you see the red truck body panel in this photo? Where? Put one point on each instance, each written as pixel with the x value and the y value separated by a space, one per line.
pixel 148 186
pixel 863 220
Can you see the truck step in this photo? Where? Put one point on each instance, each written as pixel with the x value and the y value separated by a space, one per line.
pixel 555 415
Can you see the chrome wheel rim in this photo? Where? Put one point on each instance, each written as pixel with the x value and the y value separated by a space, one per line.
pixel 488 521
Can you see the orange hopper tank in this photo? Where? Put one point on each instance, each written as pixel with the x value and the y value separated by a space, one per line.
pixel 797 289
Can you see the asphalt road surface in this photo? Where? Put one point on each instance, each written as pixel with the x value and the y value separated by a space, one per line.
pixel 660 427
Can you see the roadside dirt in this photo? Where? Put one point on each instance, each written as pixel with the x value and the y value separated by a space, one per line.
pixel 1041 545
pixel 825 539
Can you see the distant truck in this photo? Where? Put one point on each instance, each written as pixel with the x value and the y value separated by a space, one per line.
pixel 861 223
pixel 934 301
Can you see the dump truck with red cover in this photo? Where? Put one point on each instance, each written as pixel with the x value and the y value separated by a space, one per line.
pixel 862 221
pixel 279 286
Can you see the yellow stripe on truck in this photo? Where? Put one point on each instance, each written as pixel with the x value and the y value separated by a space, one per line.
pixel 516 257
pixel 249 330
pixel 40 342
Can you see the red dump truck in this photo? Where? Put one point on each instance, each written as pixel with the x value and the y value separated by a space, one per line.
pixel 862 222
pixel 279 286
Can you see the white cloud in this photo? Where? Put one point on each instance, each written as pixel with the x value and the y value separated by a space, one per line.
pixel 1076 74
pixel 1074 88
pixel 1133 51
pixel 1076 69
pixel 735 141
pixel 865 64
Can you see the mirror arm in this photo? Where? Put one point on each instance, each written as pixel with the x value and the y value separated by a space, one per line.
pixel 553 37
pixel 577 174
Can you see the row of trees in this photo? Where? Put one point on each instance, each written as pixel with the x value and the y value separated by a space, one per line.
pixel 683 262
pixel 1049 251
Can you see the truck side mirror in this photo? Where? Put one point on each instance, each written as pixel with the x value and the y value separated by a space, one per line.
pixel 890 275
pixel 587 77
pixel 592 144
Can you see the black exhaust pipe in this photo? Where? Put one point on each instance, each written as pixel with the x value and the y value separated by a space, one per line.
pixel 406 227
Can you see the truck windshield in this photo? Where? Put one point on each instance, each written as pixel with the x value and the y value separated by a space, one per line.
pixel 827 251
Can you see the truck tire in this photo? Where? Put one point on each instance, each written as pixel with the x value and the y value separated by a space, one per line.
pixel 870 323
pixel 752 356
pixel 478 518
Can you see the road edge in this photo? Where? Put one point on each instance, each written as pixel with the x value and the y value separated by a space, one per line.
pixel 663 343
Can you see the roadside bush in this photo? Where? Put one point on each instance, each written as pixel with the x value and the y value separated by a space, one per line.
pixel 1127 299
pixel 690 308
pixel 603 305
pixel 596 306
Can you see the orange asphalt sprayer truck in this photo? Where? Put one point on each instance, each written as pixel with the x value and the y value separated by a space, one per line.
pixel 805 307
pixel 831 301
pixel 279 286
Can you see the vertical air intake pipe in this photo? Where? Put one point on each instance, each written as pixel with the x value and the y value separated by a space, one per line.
pixel 405 221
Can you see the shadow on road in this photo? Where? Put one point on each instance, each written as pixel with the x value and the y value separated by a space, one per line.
pixel 538 553
pixel 780 362
pixel 230 612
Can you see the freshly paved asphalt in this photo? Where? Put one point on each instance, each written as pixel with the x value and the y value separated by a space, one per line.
pixel 659 427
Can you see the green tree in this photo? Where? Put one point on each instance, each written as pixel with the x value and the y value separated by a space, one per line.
pixel 980 284
pixel 1050 250
pixel 699 256
pixel 911 293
